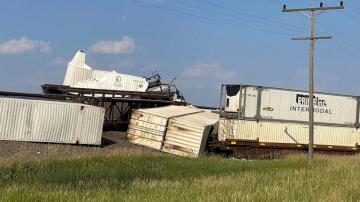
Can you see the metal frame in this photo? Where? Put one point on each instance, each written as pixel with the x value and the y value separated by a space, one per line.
pixel 241 111
pixel 232 115
pixel 244 107
pixel 258 103
pixel 235 144
pixel 357 124
pixel 288 89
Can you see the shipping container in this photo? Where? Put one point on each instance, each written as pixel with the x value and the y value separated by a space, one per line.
pixel 50 121
pixel 247 102
pixel 80 75
pixel 180 130
pixel 287 133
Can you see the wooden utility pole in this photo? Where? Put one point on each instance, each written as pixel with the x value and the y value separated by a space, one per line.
pixel 312 13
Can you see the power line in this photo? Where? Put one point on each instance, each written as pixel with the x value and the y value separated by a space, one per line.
pixel 348 7
pixel 356 11
pixel 210 19
pixel 232 16
pixel 345 39
pixel 251 15
pixel 342 46
pixel 351 16
pixel 347 14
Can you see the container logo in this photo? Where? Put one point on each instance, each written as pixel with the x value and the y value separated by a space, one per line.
pixel 320 105
pixel 268 109
pixel 117 82
pixel 305 99
pixel 118 79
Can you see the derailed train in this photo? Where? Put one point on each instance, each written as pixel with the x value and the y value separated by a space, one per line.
pixel 275 118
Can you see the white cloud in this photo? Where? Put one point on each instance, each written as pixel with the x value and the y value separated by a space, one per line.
pixel 125 45
pixel 209 70
pixel 24 44
pixel 200 83
pixel 59 61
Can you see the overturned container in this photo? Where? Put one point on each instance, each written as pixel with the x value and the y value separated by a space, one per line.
pixel 180 130
pixel 50 121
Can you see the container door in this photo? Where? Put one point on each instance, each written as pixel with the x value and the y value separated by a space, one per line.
pixel 250 100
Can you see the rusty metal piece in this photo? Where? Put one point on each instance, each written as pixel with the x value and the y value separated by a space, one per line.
pixel 238 145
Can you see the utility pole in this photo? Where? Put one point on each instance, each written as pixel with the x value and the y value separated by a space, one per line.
pixel 312 13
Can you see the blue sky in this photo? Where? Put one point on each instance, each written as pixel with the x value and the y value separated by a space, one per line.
pixel 203 43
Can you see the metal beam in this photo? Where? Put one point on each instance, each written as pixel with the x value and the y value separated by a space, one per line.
pixel 312 9
pixel 311 38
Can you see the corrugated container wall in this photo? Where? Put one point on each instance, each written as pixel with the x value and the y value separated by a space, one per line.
pixel 49 121
pixel 187 135
pixel 148 126
pixel 178 130
pixel 288 133
pixel 80 75
pixel 273 104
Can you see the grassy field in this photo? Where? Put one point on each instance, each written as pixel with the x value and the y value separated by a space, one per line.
pixel 142 176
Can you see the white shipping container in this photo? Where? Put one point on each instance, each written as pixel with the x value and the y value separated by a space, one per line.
pixel 286 133
pixel 50 121
pixel 251 102
pixel 147 127
pixel 177 130
pixel 80 75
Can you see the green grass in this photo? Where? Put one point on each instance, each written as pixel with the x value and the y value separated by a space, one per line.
pixel 145 176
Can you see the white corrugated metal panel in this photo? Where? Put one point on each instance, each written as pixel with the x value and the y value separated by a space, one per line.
pixel 187 135
pixel 292 133
pixel 80 75
pixel 147 127
pixel 49 121
pixel 236 129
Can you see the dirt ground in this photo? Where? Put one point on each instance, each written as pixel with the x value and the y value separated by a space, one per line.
pixel 112 142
